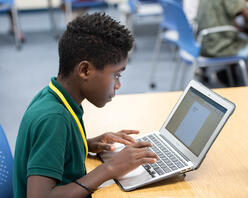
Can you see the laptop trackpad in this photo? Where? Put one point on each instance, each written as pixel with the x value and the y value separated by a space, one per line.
pixel 135 177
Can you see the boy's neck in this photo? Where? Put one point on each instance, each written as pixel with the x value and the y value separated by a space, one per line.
pixel 71 87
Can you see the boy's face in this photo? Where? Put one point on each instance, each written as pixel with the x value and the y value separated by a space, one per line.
pixel 104 83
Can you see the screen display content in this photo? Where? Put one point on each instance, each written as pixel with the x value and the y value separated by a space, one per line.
pixel 195 120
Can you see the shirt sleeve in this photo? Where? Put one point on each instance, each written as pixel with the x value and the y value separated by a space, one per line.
pixel 47 154
pixel 233 7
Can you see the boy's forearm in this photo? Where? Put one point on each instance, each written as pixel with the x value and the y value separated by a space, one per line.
pixel 96 177
pixel 92 180
pixel 39 187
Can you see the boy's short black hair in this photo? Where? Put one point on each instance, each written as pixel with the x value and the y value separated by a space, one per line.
pixel 96 38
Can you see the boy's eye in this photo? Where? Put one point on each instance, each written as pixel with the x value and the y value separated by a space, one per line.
pixel 117 76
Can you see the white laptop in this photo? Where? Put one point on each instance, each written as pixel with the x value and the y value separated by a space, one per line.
pixel 184 139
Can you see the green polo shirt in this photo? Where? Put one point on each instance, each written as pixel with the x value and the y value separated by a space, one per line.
pixel 49 142
pixel 212 13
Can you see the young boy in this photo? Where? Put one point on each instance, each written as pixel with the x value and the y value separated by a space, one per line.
pixel 51 145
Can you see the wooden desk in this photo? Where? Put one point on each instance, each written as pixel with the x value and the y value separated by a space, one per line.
pixel 224 172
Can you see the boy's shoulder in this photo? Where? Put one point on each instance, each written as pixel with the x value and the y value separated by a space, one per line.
pixel 45 104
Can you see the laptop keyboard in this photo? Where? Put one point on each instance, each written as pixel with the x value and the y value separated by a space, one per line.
pixel 168 160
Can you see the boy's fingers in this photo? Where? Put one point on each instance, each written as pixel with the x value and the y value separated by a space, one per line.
pixel 106 147
pixel 128 138
pixel 129 132
pixel 141 144
pixel 118 139
pixel 146 154
pixel 146 161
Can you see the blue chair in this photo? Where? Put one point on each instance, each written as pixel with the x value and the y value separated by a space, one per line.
pixel 134 4
pixel 9 5
pixel 6 166
pixel 167 32
pixel 190 48
pixel 138 9
pixel 73 4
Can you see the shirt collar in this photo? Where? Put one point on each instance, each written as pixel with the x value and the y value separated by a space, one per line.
pixel 76 108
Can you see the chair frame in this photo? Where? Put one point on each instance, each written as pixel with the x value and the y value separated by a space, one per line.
pixel 16 24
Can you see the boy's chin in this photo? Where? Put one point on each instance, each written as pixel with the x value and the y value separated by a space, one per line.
pixel 100 105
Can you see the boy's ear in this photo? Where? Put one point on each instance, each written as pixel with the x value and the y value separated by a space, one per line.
pixel 84 69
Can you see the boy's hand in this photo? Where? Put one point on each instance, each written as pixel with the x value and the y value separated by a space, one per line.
pixel 129 158
pixel 106 140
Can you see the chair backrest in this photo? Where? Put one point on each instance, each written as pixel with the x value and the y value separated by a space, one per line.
pixel 133 4
pixel 5 5
pixel 168 21
pixel 7 1
pixel 86 3
pixel 175 18
pixel 6 167
pixel 180 2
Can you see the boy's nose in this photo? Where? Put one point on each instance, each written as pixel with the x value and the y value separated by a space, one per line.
pixel 117 85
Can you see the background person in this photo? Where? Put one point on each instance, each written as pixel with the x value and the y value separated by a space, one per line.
pixel 220 13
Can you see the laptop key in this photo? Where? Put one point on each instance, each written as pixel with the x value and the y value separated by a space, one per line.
pixel 154 165
pixel 146 166
pixel 180 165
pixel 173 167
pixel 159 171
pixel 168 160
pixel 157 168
pixel 166 169
pixel 183 163
pixel 152 173
pixel 145 139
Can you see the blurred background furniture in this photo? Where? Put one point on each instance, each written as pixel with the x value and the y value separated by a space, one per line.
pixel 134 10
pixel 189 48
pixel 167 32
pixel 75 4
pixel 8 6
pixel 6 166
pixel 68 6
pixel 54 27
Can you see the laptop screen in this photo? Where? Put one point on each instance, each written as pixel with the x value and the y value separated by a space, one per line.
pixel 195 120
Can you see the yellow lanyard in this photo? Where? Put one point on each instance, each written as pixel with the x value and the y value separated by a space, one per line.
pixel 60 95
